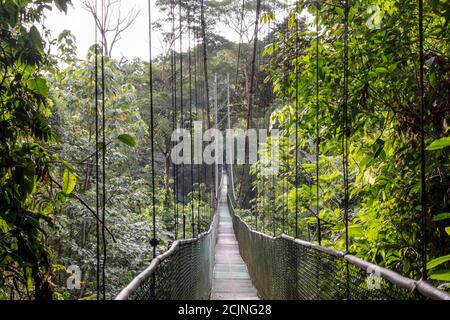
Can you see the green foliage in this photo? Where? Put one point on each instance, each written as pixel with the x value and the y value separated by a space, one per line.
pixel 384 139
pixel 441 216
pixel 439 144
pixel 69 182
pixel 127 139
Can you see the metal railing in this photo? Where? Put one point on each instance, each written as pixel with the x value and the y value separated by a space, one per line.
pixel 284 268
pixel 184 272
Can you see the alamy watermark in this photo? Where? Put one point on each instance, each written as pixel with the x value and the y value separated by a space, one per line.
pixel 74 280
pixel 374 21
pixel 214 147
pixel 373 280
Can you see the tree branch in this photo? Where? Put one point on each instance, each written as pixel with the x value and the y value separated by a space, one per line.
pixel 74 195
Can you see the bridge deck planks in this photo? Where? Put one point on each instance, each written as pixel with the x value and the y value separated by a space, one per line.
pixel 231 280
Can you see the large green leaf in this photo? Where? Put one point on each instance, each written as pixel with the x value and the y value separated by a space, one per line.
pixel 12 12
pixel 39 86
pixel 127 139
pixel 69 182
pixel 439 144
pixel 438 261
pixel 36 40
pixel 25 178
pixel 355 230
pixel 441 275
pixel 442 216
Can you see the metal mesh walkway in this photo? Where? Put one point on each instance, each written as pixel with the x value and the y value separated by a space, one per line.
pixel 231 280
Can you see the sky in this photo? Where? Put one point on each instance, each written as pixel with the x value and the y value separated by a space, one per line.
pixel 134 42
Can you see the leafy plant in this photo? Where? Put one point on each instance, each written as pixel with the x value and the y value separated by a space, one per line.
pixel 25 161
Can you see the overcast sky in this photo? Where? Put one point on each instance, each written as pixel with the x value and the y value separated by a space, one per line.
pixel 134 42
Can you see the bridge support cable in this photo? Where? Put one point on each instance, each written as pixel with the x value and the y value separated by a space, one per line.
pixel 173 84
pixel 191 124
pixel 216 126
pixel 319 229
pixel 345 128
pixel 205 113
pixel 286 268
pixel 285 176
pixel 346 136
pixel 297 118
pixel 424 208
pixel 206 96
pixel 181 125
pixel 97 169
pixel 196 101
pixel 230 143
pixel 100 139
pixel 154 242
pixel 104 243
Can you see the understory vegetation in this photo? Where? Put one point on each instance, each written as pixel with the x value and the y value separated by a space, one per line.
pixel 290 78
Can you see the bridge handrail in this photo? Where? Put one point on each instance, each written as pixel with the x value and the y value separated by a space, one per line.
pixel 421 287
pixel 146 275
pixel 149 271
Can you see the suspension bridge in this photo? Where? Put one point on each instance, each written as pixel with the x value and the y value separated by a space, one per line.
pixel 233 261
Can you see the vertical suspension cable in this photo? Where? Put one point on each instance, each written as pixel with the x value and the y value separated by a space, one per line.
pixel 230 156
pixel 171 91
pixel 154 241
pixel 103 163
pixel 205 96
pixel 191 123
pixel 257 192
pixel 182 115
pixel 174 118
pixel 285 176
pixel 297 113
pixel 319 231
pixel 422 145
pixel 205 168
pixel 283 191
pixel 346 127
pixel 97 169
pixel 274 183
pixel 216 124
pixel 196 58
pixel 345 144
pixel 274 180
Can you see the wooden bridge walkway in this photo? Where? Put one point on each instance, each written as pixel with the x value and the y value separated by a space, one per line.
pixel 231 280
